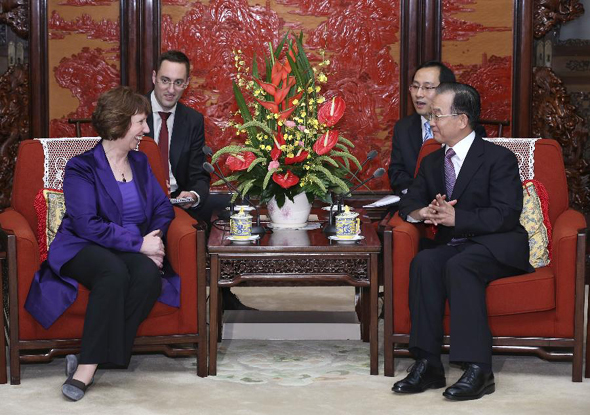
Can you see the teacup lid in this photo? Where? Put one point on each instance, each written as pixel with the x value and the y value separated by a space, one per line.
pixel 347 213
pixel 241 214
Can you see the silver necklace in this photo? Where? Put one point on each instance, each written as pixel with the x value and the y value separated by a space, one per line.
pixel 113 167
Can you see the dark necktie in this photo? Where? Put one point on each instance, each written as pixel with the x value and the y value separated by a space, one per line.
pixel 450 177
pixel 163 143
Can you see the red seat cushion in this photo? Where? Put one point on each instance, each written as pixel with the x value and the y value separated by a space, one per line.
pixel 527 293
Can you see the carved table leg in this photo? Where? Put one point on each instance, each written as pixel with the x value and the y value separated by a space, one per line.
pixel 213 314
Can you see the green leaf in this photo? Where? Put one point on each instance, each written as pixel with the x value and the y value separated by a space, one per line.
pixel 304 61
pixel 241 103
pixel 254 67
pixel 258 124
pixel 346 156
pixel 280 198
pixel 327 160
pixel 315 179
pixel 341 147
pixel 296 72
pixel 333 179
pixel 243 108
pixel 267 178
pixel 268 69
pixel 279 47
pixel 232 149
pixel 345 141
pixel 255 162
pixel 245 186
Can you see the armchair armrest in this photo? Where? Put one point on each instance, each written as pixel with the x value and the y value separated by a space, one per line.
pixel 181 244
pixel 27 249
pixel 565 262
pixel 406 237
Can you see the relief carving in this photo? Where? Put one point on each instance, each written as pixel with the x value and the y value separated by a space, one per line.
pixel 555 117
pixel 15 13
pixel 14 124
pixel 356 268
pixel 549 14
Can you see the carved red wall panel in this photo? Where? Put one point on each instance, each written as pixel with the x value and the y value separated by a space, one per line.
pixel 360 38
pixel 477 45
pixel 83 59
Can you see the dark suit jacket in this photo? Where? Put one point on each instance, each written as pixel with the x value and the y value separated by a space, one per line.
pixel 489 201
pixel 186 150
pixel 405 146
pixel 94 208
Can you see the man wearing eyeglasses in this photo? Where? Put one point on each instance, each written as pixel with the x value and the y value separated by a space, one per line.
pixel 412 131
pixel 470 189
pixel 180 134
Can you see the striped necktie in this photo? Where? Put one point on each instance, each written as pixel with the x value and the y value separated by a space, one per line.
pixel 450 176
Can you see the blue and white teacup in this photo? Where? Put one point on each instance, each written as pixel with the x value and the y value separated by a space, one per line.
pixel 240 225
pixel 348 224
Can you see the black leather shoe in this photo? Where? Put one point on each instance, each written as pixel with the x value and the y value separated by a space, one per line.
pixel 422 376
pixel 232 302
pixel 474 384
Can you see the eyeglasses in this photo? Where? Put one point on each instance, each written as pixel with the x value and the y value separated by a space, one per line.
pixel 178 84
pixel 416 88
pixel 431 116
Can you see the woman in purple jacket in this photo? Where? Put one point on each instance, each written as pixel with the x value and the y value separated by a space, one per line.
pixel 110 241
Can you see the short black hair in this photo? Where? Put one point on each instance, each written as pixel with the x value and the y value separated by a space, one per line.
pixel 177 57
pixel 465 100
pixel 445 74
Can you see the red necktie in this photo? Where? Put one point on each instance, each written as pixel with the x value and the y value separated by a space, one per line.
pixel 163 143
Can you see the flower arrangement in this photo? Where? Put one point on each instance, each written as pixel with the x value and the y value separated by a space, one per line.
pixel 290 145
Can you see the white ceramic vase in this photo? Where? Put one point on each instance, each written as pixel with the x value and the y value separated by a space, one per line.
pixel 293 214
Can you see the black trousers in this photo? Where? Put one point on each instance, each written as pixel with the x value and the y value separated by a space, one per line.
pixel 123 289
pixel 460 273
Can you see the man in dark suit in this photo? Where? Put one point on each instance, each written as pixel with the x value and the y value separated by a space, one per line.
pixel 180 134
pixel 410 132
pixel 471 190
pixel 183 131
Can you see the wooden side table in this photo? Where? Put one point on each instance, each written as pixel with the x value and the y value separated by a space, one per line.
pixel 316 261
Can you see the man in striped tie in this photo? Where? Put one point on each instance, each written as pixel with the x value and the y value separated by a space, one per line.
pixel 470 189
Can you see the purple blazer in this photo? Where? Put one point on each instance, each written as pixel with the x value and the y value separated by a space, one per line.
pixel 93 215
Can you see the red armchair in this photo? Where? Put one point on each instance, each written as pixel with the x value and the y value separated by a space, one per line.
pixel 539 313
pixel 172 331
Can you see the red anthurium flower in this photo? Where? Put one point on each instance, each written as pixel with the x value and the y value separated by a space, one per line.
pixel 326 142
pixel 331 112
pixel 275 153
pixel 240 161
pixel 302 155
pixel 285 180
pixel 268 88
pixel 271 106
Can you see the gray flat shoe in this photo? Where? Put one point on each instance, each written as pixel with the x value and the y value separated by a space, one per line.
pixel 74 389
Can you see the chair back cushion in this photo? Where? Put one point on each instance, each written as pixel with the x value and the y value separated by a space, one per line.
pixel 29 172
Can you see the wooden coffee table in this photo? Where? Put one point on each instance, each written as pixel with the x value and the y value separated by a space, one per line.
pixel 297 258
